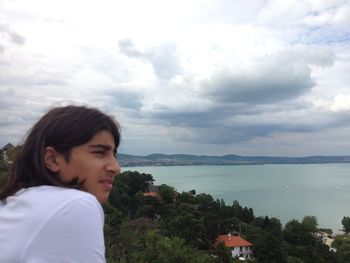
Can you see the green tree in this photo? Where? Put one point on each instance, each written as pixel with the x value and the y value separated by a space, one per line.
pixel 148 206
pixel 186 197
pixel 346 224
pixel 272 225
pixel 294 260
pixel 310 223
pixel 153 247
pixel 342 244
pixel 296 234
pixel 167 193
pixel 3 173
pixel 113 219
pixel 267 247
pixel 223 253
pixel 247 215
pixel 303 245
pixel 12 152
pixel 127 185
pixel 186 224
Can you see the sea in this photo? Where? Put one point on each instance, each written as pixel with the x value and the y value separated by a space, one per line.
pixel 284 191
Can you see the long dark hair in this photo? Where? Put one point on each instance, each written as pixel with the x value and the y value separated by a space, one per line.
pixel 61 128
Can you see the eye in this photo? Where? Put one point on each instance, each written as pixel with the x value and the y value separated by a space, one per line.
pixel 99 152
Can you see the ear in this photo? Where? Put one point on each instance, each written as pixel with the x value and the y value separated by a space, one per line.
pixel 51 159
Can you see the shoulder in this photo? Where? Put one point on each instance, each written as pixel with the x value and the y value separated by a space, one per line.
pixel 38 214
pixel 48 190
pixel 77 210
pixel 59 199
pixel 77 227
pixel 51 196
pixel 41 204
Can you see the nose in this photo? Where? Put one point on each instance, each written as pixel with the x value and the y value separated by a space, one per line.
pixel 114 167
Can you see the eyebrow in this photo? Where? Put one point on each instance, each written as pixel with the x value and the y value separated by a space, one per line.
pixel 104 147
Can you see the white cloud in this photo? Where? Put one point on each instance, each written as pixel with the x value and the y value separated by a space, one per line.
pixel 336 15
pixel 194 75
pixel 340 103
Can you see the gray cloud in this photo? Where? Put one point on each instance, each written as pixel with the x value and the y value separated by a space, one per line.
pixel 18 112
pixel 125 97
pixel 245 104
pixel 128 48
pixel 18 73
pixel 165 61
pixel 13 36
pixel 222 131
pixel 272 79
pixel 236 133
pixel 163 58
pixel 226 123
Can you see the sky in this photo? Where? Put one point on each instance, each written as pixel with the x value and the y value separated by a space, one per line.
pixel 205 77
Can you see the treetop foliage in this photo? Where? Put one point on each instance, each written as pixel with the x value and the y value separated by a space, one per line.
pixel 182 227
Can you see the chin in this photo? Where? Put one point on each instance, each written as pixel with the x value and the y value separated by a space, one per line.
pixel 102 199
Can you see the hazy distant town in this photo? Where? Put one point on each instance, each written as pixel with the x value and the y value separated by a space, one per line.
pixel 186 159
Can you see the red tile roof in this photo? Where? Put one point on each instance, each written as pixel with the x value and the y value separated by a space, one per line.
pixel 233 241
pixel 154 194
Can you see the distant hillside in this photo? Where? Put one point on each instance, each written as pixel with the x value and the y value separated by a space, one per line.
pixel 231 159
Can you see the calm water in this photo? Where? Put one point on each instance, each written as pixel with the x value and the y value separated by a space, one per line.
pixel 287 191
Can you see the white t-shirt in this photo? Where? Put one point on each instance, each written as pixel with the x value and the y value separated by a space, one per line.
pixel 51 224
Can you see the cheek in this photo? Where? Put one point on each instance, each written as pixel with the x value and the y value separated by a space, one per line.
pixel 79 169
pixel 90 171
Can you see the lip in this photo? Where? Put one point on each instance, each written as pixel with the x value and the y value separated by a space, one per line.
pixel 107 184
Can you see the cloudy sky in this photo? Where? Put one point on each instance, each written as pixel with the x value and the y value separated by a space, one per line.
pixel 252 77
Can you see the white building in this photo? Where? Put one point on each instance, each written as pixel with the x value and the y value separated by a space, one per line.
pixel 240 247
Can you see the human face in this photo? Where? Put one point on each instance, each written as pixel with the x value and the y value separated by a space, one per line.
pixel 95 163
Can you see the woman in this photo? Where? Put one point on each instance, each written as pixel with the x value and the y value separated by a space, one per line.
pixel 50 207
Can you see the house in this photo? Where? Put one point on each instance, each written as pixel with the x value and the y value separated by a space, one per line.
pixel 326 239
pixel 152 190
pixel 3 151
pixel 8 146
pixel 240 247
pixel 153 194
